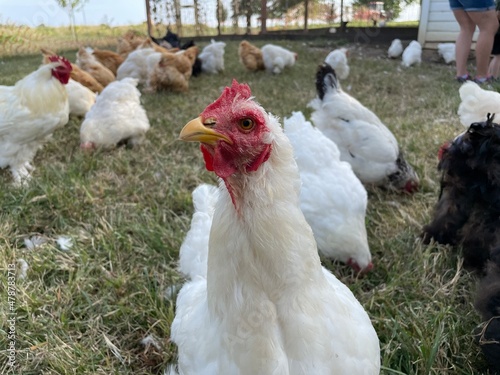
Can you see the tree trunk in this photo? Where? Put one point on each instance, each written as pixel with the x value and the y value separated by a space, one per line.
pixel 197 17
pixel 306 14
pixel 148 17
pixel 249 19
pixel 178 21
pixel 236 12
pixel 219 16
pixel 263 17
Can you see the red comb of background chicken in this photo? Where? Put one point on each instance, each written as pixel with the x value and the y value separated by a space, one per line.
pixel 444 147
pixel 65 61
pixel 229 94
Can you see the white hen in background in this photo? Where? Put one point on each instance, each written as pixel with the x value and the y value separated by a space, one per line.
pixel 277 58
pixel 476 103
pixel 136 65
pixel 80 98
pixel 447 52
pixel 116 117
pixel 412 54
pixel 332 198
pixel 212 57
pixel 337 59
pixel 395 49
pixel 363 140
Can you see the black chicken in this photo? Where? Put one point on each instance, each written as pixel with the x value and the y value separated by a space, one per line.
pixel 467 214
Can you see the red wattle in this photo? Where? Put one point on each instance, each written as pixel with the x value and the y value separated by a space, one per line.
pixel 207 157
pixel 261 159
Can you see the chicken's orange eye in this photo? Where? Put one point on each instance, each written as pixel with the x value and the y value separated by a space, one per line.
pixel 246 124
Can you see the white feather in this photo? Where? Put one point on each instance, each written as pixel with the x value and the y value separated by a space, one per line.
pixel 332 198
pixel 447 52
pixel 396 49
pixel 337 59
pixel 476 103
pixel 412 54
pixel 277 58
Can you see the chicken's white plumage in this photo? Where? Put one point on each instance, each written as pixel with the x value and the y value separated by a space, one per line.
pixel 80 98
pixel 337 59
pixel 212 57
pixel 447 52
pixel 476 103
pixel 31 111
pixel 267 306
pixel 136 65
pixel 277 58
pixel 194 249
pixel 332 198
pixel 395 49
pixel 116 116
pixel 412 54
pixel 363 140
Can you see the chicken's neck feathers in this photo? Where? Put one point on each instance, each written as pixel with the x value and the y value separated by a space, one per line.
pixel 40 92
pixel 261 245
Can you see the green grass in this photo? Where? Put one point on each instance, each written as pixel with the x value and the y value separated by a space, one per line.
pixel 128 211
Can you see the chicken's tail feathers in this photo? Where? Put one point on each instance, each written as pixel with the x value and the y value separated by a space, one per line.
pixel 326 80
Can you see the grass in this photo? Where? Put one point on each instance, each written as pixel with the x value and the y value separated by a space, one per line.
pixel 86 310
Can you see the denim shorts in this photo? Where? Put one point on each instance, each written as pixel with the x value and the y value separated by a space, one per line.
pixel 472 5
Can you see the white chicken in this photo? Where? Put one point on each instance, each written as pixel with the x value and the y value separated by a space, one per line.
pixel 266 306
pixel 80 98
pixel 277 58
pixel 192 261
pixel 212 57
pixel 363 140
pixel 117 117
pixel 332 198
pixel 337 59
pixel 136 65
pixel 395 49
pixel 447 52
pixel 412 54
pixel 476 103
pixel 31 111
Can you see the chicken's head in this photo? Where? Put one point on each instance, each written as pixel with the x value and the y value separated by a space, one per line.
pixel 62 71
pixel 233 133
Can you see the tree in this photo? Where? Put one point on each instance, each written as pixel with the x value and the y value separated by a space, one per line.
pixel 71 6
pixel 392 8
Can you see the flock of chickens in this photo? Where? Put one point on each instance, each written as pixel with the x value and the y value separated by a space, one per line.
pixel 257 300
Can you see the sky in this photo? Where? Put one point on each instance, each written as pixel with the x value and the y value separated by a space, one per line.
pixel 35 12
pixel 111 12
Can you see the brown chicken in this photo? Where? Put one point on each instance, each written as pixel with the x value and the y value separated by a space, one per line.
pixel 173 71
pixel 129 42
pixel 250 56
pixel 89 63
pixel 109 59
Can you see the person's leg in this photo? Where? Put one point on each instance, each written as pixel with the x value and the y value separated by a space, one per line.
pixel 494 68
pixel 464 40
pixel 488 25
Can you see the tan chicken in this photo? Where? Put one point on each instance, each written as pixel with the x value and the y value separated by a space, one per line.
pixel 109 59
pixel 251 56
pixel 89 63
pixel 172 71
pixel 77 74
pixel 129 42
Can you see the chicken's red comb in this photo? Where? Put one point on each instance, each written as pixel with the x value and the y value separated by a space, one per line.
pixel 444 147
pixel 229 94
pixel 56 58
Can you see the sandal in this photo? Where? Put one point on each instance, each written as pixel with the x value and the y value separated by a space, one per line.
pixel 484 80
pixel 464 78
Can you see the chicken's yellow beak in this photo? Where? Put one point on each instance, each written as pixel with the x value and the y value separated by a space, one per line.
pixel 196 131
